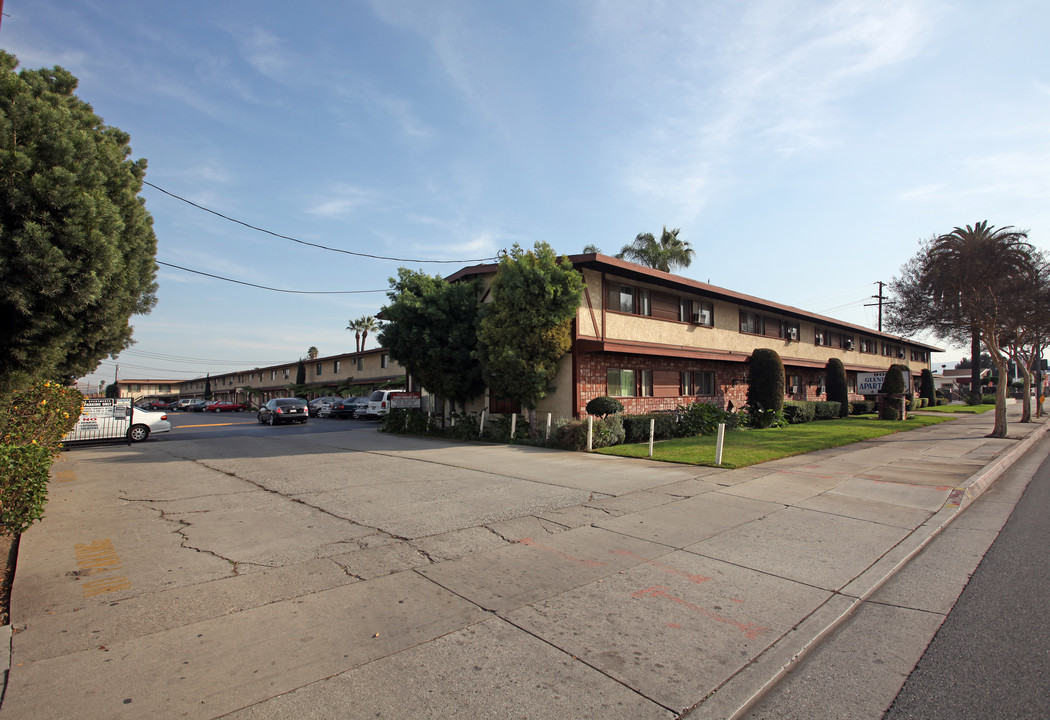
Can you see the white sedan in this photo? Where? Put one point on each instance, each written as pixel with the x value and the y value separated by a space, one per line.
pixel 146 422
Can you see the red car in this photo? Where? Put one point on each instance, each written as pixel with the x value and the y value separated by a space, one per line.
pixel 223 406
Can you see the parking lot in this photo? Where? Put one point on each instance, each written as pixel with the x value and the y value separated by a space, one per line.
pixel 231 569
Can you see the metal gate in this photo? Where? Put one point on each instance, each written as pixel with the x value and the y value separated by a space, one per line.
pixel 102 419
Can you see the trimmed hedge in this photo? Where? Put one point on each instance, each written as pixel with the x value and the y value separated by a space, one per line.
pixel 765 390
pixel 888 412
pixel 573 434
pixel 702 418
pixel 799 411
pixel 803 411
pixel 636 427
pixel 862 407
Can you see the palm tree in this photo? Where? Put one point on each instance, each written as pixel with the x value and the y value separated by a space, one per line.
pixel 668 253
pixel 368 324
pixel 312 353
pixel 968 284
pixel 591 249
pixel 355 325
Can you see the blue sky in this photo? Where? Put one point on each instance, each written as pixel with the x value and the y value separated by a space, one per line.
pixel 803 148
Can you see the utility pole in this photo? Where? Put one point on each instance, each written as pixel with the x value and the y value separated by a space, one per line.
pixel 880 297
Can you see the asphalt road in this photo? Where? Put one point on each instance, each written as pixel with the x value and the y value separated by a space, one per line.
pixel 991 657
pixel 200 426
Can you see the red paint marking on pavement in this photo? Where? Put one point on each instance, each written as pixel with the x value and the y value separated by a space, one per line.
pixel 676 626
pixel 751 630
pixel 666 568
pixel 554 551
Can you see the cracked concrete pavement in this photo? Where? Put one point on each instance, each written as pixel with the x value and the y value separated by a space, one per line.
pixel 364 575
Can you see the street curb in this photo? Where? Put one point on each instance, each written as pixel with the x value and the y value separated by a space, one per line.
pixel 741 692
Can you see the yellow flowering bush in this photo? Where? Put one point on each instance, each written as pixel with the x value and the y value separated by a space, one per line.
pixel 32 423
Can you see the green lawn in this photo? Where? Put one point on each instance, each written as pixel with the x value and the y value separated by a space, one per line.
pixel 748 447
pixel 975 409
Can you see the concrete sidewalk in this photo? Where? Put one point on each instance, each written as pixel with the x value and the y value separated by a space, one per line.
pixel 362 575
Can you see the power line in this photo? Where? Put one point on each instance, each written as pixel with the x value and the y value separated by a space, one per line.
pixel 264 287
pixel 304 242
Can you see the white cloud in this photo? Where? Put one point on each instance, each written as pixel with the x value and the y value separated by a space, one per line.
pixel 772 84
pixel 341 201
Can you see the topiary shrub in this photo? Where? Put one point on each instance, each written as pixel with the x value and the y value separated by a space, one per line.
pixel 888 412
pixel 926 389
pixel 837 387
pixel 988 399
pixel 765 390
pixel 799 411
pixel 604 406
pixel 894 382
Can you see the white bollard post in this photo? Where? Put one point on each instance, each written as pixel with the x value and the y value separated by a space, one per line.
pixel 718 443
pixel 547 438
pixel 590 432
pixel 481 425
pixel 513 425
pixel 652 434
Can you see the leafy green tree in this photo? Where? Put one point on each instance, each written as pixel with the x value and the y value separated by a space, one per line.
pixel 431 329
pixel 667 254
pixel 525 330
pixel 967 285
pixel 113 390
pixel 837 387
pixel 77 246
pixel 765 389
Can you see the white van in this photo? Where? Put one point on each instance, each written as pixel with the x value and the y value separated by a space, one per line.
pixel 379 402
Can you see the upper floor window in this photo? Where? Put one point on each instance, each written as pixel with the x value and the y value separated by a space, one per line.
pixel 335 367
pixel 384 360
pixel 867 345
pixel 319 370
pixel 698 312
pixel 630 299
pixel 752 323
pixel 821 336
pixel 621 298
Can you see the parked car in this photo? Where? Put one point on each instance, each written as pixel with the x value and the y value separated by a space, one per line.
pixel 317 403
pixel 349 407
pixel 379 403
pixel 225 406
pixel 147 422
pixel 184 403
pixel 199 406
pixel 282 410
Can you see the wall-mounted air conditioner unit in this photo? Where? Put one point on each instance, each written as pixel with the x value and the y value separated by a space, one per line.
pixel 696 318
pixel 793 334
pixel 849 344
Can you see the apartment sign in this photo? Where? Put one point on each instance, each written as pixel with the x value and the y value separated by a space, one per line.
pixel 870 383
pixel 406 400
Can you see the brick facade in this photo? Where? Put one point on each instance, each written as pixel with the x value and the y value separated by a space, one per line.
pixel 730 382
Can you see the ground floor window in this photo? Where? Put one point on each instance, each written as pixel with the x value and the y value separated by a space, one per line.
pixel 620 382
pixel 645 387
pixel 698 383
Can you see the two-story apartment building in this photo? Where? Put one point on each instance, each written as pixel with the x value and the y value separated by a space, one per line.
pixel 656 340
pixel 349 373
